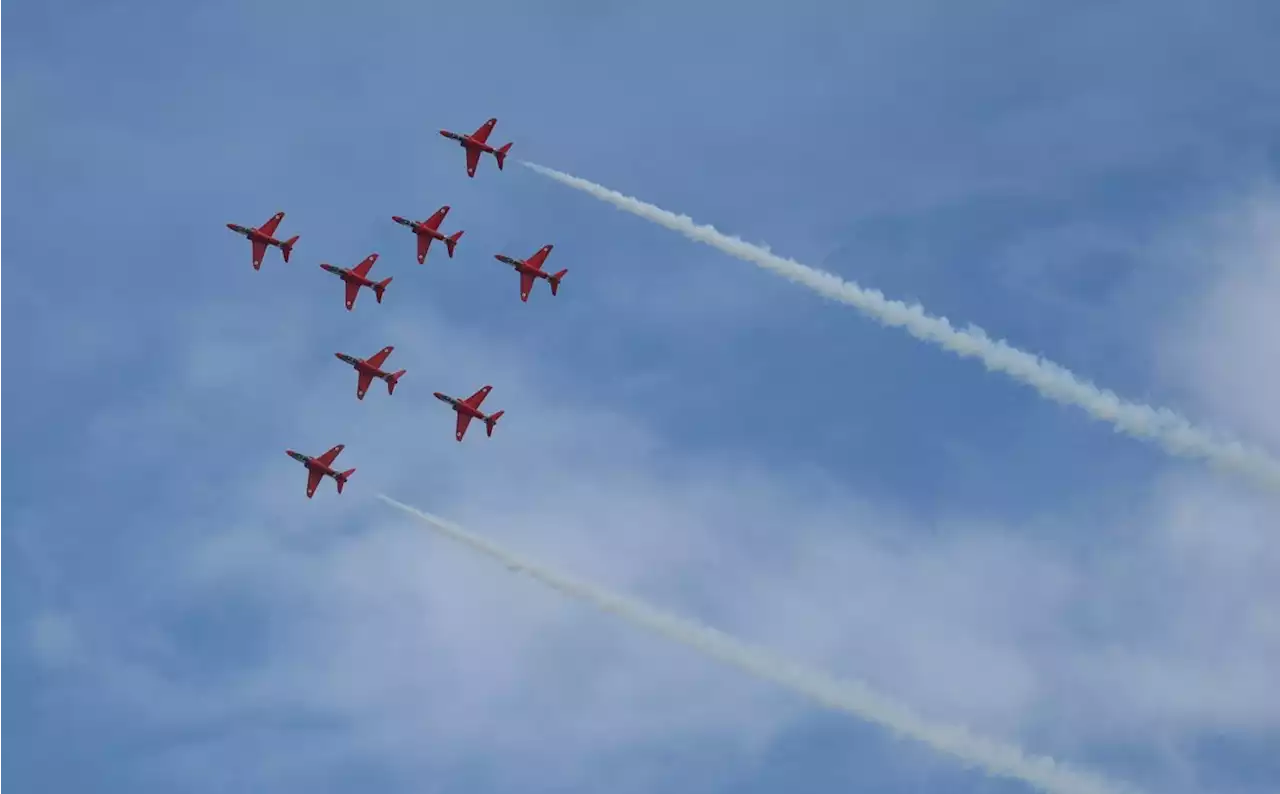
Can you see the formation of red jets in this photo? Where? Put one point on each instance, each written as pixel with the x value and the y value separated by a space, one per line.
pixel 354 278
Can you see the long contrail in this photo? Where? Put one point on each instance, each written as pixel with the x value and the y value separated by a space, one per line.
pixel 1170 431
pixel 994 757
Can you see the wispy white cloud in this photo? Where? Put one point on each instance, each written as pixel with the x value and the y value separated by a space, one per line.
pixel 1228 337
pixel 423 660
pixel 229 634
pixel 54 640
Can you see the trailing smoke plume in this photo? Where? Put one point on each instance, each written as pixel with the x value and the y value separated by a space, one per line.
pixel 994 758
pixel 1168 430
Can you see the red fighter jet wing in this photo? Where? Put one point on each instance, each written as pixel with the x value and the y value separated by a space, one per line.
pixel 273 223
pixel 361 270
pixel 526 285
pixel 363 382
pixel 329 457
pixel 366 378
pixel 537 259
pixel 476 399
pixel 259 252
pixel 535 262
pixel 481 135
pixel 377 358
pixel 314 476
pixel 432 223
pixel 269 229
pixel 464 419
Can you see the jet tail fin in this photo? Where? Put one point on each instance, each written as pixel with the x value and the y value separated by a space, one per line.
pixel 286 247
pixel 554 280
pixel 392 380
pixel 501 155
pixel 381 287
pixel 492 420
pixel 342 478
pixel 451 241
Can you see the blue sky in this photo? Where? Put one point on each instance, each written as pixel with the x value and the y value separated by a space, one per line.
pixel 1096 183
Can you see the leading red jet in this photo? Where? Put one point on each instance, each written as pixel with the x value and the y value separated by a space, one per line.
pixel 370 368
pixel 318 468
pixel 475 144
pixel 469 409
pixel 263 236
pixel 429 230
pixel 357 277
pixel 531 268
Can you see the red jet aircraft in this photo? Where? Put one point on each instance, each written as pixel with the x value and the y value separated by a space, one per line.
pixel 531 268
pixel 475 144
pixel 262 236
pixel 357 277
pixel 370 368
pixel 318 468
pixel 469 409
pixel 429 230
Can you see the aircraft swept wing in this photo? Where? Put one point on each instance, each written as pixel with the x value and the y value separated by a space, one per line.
pixel 473 402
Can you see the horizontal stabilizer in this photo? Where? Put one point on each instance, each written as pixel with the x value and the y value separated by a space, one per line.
pixel 490 421
pixel 451 241
pixel 342 478
pixel 392 380
pixel 554 280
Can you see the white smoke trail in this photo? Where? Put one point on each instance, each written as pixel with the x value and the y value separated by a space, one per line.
pixel 1160 425
pixel 854 698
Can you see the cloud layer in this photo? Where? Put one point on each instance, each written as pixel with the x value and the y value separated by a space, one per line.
pixel 181 617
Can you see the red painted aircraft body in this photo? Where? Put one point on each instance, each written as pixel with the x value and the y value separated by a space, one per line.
pixel 476 142
pixel 531 268
pixel 321 467
pixel 263 236
pixel 469 409
pixel 429 230
pixel 358 277
pixel 370 368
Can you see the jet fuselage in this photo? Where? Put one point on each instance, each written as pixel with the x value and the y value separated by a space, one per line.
pixel 459 405
pixel 347 275
pixel 311 463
